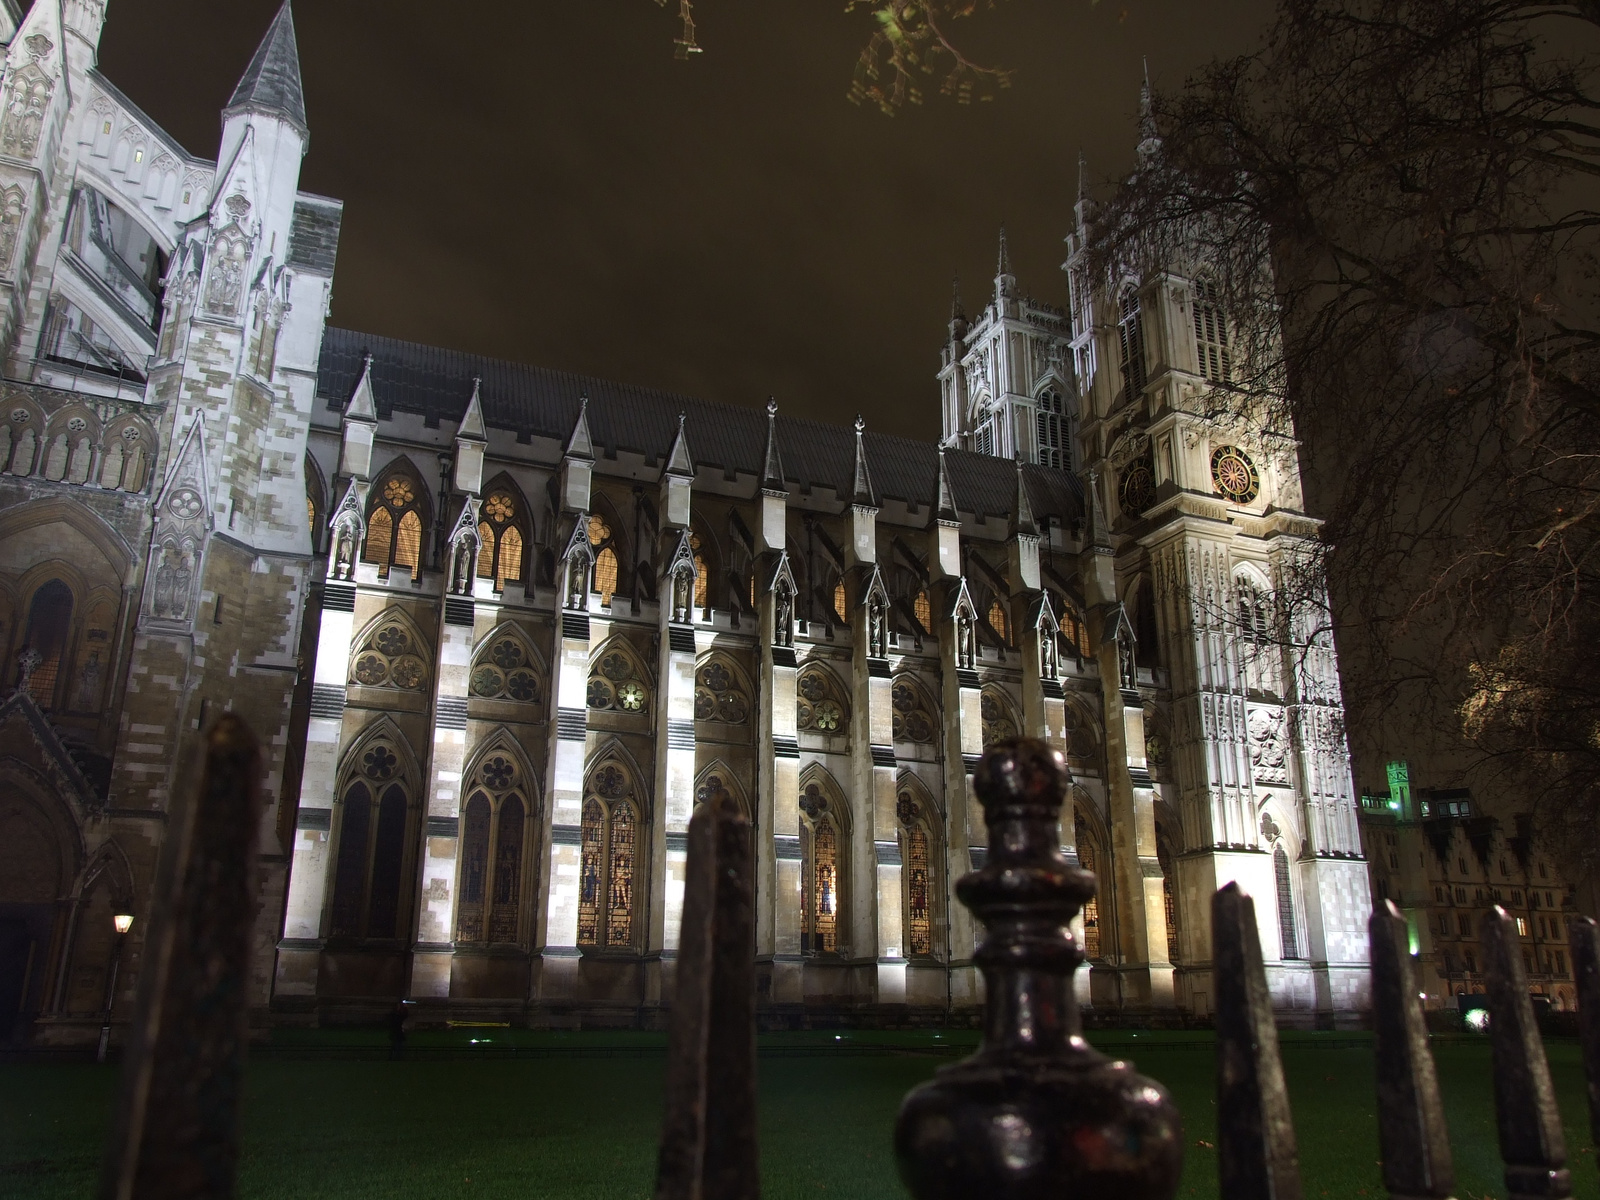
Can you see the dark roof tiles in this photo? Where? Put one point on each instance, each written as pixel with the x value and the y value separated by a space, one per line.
pixel 271 82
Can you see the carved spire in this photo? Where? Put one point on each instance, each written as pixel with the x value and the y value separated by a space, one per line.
pixel 679 460
pixel 271 83
pixel 1149 137
pixel 1085 204
pixel 958 310
pixel 471 428
pixel 1095 535
pixel 363 404
pixel 1005 283
pixel 1022 522
pixel 946 511
pixel 861 490
pixel 580 444
pixel 772 464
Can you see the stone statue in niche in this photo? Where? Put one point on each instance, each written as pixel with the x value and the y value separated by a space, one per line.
pixel 12 205
pixel 1130 667
pixel 782 617
pixel 173 577
pixel 877 629
pixel 343 557
pixel 682 597
pixel 25 107
pixel 966 656
pixel 227 272
pixel 577 582
pixel 1049 666
pixel 461 566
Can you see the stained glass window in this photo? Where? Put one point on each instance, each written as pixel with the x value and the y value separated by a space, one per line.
pixel 350 873
pixel 824 887
pixel 507 872
pixel 510 566
pixel 485 550
pixel 923 607
pixel 500 541
pixel 388 851
pixel 474 869
pixel 609 854
pixel 919 926
pixel 839 602
pixel 997 620
pixel 380 538
pixel 619 893
pixel 1091 906
pixel 605 574
pixel 1169 893
pixel 702 575
pixel 49 622
pixel 590 873
pixel 1286 924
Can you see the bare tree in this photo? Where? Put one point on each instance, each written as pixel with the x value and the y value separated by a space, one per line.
pixel 1399 199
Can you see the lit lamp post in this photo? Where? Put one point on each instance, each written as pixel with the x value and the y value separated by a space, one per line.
pixel 123 923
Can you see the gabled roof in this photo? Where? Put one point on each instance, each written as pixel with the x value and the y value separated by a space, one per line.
pixel 271 83
pixel 435 383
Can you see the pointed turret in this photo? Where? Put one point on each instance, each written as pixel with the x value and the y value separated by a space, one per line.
pixel 772 463
pixel 1095 535
pixel 679 460
pixel 1022 522
pixel 945 512
pixel 271 84
pixel 580 444
pixel 1084 204
pixel 360 427
pixel 1005 283
pixel 577 464
pixel 471 438
pixel 471 426
pixel 861 492
pixel 363 405
pixel 1149 137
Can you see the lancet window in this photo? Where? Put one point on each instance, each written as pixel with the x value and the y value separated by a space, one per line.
pixel 1054 445
pixel 822 706
pixel 395 525
pixel 913 716
pixel 49 626
pixel 494 836
pixel 917 873
pixel 1169 891
pixel 1088 857
pixel 996 617
pixel 1286 922
pixel 1211 332
pixel 617 683
pixel 369 873
pixel 506 668
pixel 1130 336
pixel 500 539
pixel 606 881
pixel 822 847
pixel 606 568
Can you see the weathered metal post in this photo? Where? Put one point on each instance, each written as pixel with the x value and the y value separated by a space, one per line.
pixel 1256 1154
pixel 1532 1146
pixel 708 1140
pixel 1036 1112
pixel 1584 936
pixel 1411 1129
pixel 175 1134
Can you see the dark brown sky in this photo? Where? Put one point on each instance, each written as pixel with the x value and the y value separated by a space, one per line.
pixel 541 180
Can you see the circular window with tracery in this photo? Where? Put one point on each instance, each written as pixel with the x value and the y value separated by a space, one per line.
pixel 1234 474
pixel 1137 490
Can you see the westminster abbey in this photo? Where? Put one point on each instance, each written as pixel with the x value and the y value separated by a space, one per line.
pixel 500 628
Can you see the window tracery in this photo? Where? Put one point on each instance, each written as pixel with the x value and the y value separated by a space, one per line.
pixel 606 568
pixel 823 706
pixel 999 722
pixel 395 525
pixel 917 874
pixel 1130 338
pixel 1054 433
pixel 1087 858
pixel 609 854
pixel 492 841
pixel 506 668
pixel 720 695
pixel 1080 737
pixel 391 655
pixel 1211 332
pixel 1286 922
pixel 500 542
pixel 369 870
pixel 822 873
pixel 996 617
pixel 617 682
pixel 913 720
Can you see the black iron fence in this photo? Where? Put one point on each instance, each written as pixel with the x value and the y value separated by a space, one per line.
pixel 1035 1112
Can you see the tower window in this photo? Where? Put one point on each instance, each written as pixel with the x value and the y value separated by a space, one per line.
pixel 1211 333
pixel 984 442
pixel 1052 430
pixel 1130 335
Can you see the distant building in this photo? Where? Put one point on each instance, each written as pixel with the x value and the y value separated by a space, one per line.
pixel 1445 866
pixel 501 627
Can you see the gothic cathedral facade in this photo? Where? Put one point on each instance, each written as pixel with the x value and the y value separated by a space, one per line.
pixel 500 628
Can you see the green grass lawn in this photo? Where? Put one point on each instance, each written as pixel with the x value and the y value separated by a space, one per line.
pixel 586 1127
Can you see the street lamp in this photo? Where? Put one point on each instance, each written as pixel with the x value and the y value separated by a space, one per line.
pixel 122 923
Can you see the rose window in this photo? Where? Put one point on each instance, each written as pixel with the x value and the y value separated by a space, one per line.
pixel 631 696
pixel 718 697
pixel 503 672
pixel 390 657
pixel 379 762
pixel 499 774
pixel 399 493
pixel 616 685
pixel 822 706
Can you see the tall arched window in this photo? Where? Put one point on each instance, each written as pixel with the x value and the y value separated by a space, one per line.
pixel 822 872
pixel 500 537
pixel 394 526
pixel 1169 892
pixel 492 840
pixel 702 575
pixel 983 441
pixel 1255 613
pixel 369 873
pixel 922 606
pixel 840 608
pixel 1054 447
pixel 1130 336
pixel 1091 907
pixel 49 625
pixel 996 617
pixel 604 544
pixel 917 873
pixel 1286 922
pixel 1211 332
pixel 609 855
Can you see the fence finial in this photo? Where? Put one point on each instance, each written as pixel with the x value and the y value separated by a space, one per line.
pixel 708 1140
pixel 1256 1154
pixel 1532 1146
pixel 1035 1112
pixel 1411 1130
pixel 176 1132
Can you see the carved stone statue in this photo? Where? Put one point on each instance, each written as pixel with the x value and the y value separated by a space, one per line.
pixel 965 656
pixel 877 630
pixel 1130 668
pixel 88 684
pixel 461 567
pixel 344 551
pixel 782 617
pixel 577 582
pixel 1049 667
pixel 682 597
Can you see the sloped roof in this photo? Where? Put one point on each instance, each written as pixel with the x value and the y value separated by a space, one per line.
pixel 436 384
pixel 271 83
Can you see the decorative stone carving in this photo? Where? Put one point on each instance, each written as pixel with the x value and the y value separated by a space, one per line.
pixel 225 288
pixel 1269 750
pixel 27 98
pixel 13 203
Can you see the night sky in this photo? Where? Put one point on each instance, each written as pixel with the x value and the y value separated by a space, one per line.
pixel 543 181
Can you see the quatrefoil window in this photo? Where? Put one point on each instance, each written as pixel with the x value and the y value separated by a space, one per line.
pixel 718 697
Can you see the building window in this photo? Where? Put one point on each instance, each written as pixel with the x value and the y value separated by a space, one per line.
pixel 506 669
pixel 923 608
pixel 998 718
pixel 1255 614
pixel 49 623
pixel 500 549
pixel 912 719
pixel 702 575
pixel 823 706
pixel 997 621
pixel 617 682
pixel 492 838
pixel 1464 922
pixel 610 851
pixel 1522 927
pixel 1130 335
pixel 1286 923
pixel 604 545
pixel 1054 450
pixel 840 609
pixel 821 853
pixel 390 656
pixel 918 876
pixel 720 695
pixel 1211 333
pixel 1091 906
pixel 369 870
pixel 394 527
pixel 983 441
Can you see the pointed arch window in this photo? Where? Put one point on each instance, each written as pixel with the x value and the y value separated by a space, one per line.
pixel 823 706
pixel 822 873
pixel 1169 892
pixel 922 606
pixel 999 722
pixel 912 720
pixel 49 626
pixel 1130 337
pixel 1211 332
pixel 840 609
pixel 507 669
pixel 1087 857
pixel 500 539
pixel 604 544
pixel 917 875
pixel 617 682
pixel 719 695
pixel 1255 613
pixel 606 884
pixel 492 858
pixel 394 526
pixel 996 617
pixel 391 655
pixel 702 575
pixel 1051 421
pixel 369 872
pixel 1286 922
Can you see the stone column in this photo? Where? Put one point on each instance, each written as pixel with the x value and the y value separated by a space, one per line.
pixel 778 900
pixel 873 768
